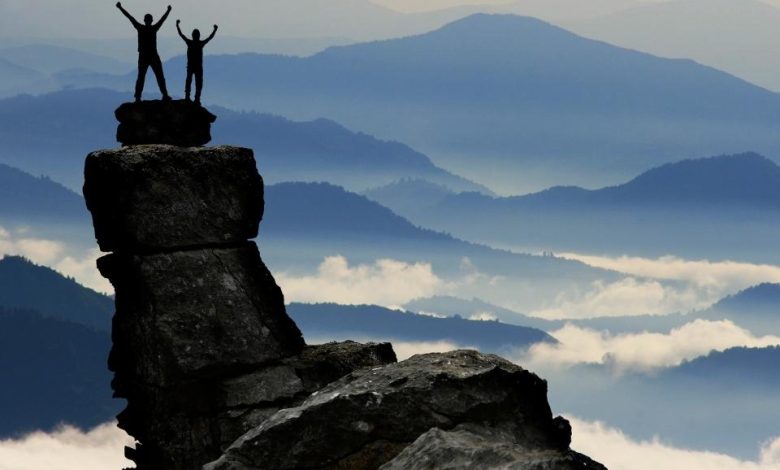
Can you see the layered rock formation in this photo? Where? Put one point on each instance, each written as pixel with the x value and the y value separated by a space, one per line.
pixel 181 122
pixel 217 376
pixel 203 350
pixel 456 410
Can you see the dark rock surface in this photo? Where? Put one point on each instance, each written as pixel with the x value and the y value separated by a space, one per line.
pixel 181 123
pixel 187 423
pixel 156 197
pixel 203 349
pixel 213 369
pixel 367 418
pixel 197 313
pixel 480 446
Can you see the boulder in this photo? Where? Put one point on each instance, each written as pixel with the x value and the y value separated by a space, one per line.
pixel 369 417
pixel 158 197
pixel 479 446
pixel 189 422
pixel 180 122
pixel 252 398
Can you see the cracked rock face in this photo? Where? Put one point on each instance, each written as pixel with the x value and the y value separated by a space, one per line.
pixel 149 198
pixel 197 313
pixel 367 418
pixel 481 446
pixel 203 349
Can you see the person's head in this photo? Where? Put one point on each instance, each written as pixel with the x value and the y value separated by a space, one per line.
pixel 148 19
pixel 196 34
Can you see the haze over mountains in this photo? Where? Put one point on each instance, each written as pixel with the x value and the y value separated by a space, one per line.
pixel 77 122
pixel 53 370
pixel 718 207
pixel 740 37
pixel 520 96
pixel 380 159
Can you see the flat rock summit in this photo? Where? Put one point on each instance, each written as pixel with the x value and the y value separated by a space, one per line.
pixel 217 376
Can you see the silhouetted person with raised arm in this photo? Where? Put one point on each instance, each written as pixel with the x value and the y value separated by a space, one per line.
pixel 194 60
pixel 147 51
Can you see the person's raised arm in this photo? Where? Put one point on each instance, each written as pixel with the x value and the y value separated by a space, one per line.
pixel 128 15
pixel 164 17
pixel 178 28
pixel 212 35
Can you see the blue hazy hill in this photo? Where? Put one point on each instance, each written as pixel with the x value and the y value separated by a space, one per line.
pixel 746 367
pixel 27 286
pixel 346 221
pixel 717 207
pixel 696 405
pixel 76 122
pixel 341 322
pixel 52 372
pixel 29 198
pixel 15 78
pixel 756 308
pixel 491 95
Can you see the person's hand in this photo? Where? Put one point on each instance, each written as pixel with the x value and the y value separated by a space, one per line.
pixel 119 4
pixel 216 27
pixel 169 8
pixel 178 22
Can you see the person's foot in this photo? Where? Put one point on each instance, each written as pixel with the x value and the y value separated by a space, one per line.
pixel 166 98
pixel 137 99
pixel 197 102
pixel 187 98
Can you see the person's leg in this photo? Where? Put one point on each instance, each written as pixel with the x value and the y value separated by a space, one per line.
pixel 188 84
pixel 143 66
pixel 198 84
pixel 158 72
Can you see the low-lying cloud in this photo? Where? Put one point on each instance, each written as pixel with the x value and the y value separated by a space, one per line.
pixel 67 448
pixel 656 286
pixel 722 275
pixel 617 451
pixel 386 282
pixel 642 352
pixel 78 264
pixel 628 296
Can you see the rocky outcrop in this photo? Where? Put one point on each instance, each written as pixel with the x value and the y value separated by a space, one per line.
pixel 203 350
pixel 481 446
pixel 214 371
pixel 181 123
pixel 458 402
pixel 160 197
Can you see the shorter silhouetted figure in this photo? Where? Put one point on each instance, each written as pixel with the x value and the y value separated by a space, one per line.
pixel 194 60
pixel 147 51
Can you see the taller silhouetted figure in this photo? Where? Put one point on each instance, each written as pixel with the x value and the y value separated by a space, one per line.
pixel 147 51
pixel 194 60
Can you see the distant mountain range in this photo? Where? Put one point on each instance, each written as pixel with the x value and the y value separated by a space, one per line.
pixel 306 222
pixel 29 287
pixel 15 79
pixel 716 207
pixel 511 102
pixel 369 322
pixel 26 198
pixel 741 37
pixel 757 309
pixel 76 122
pixel 55 371
pixel 52 372
pixel 696 405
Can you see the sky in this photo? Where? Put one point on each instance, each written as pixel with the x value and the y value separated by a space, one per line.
pixel 252 18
